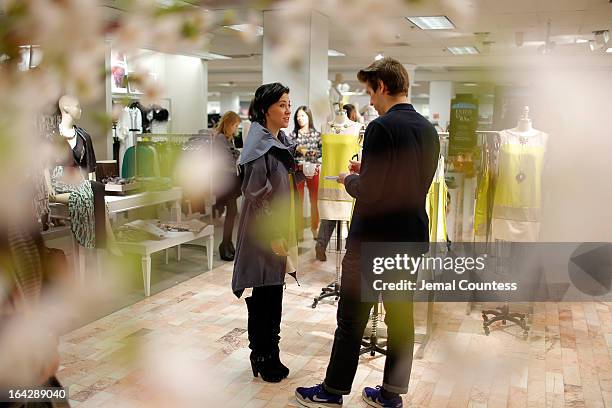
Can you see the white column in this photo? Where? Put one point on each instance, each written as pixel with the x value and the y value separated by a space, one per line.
pixel 230 101
pixel 308 81
pixel 440 95
pixel 411 68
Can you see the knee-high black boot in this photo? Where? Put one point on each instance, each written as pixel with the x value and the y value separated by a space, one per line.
pixel 274 313
pixel 262 355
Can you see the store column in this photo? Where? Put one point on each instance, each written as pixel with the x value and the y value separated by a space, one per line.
pixel 306 80
pixel 411 69
pixel 440 95
pixel 230 101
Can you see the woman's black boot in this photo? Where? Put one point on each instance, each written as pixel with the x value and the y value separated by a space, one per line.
pixel 265 365
pixel 225 253
pixel 283 369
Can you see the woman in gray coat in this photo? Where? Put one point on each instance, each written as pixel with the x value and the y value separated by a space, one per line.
pixel 263 232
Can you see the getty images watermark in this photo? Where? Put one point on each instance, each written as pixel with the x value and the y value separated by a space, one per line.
pixel 411 265
pixel 487 272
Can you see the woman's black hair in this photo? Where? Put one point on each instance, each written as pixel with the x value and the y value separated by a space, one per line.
pixel 296 126
pixel 349 108
pixel 265 96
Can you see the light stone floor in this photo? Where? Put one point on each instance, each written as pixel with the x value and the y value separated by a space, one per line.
pixel 190 339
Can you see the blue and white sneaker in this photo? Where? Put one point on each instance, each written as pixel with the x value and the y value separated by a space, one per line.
pixel 317 397
pixel 374 398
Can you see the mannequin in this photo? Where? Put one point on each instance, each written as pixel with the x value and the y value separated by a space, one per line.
pixel 72 178
pixel 518 190
pixel 340 139
pixel 77 138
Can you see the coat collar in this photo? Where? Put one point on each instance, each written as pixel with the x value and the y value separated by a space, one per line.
pixel 401 106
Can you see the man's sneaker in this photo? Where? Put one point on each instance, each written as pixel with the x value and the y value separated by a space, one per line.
pixel 317 397
pixel 374 398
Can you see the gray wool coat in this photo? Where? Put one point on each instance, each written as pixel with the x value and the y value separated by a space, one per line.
pixel 266 163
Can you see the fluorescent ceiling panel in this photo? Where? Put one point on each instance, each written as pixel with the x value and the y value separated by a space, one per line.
pixel 463 50
pixel 432 22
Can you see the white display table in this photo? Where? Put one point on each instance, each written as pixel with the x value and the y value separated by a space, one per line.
pixel 117 204
pixel 146 248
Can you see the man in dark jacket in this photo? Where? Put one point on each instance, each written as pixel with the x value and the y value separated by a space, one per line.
pixel 390 185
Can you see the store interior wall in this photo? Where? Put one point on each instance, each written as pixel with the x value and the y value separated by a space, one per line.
pixel 183 81
pixel 93 122
pixel 186 84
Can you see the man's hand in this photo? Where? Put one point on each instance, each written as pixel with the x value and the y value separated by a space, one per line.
pixel 341 177
pixel 354 166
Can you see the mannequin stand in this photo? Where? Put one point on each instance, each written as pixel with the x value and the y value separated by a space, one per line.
pixel 503 314
pixel 372 345
pixel 333 289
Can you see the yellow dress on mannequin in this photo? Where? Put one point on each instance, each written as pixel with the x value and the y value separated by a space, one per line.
pixel 334 202
pixel 518 190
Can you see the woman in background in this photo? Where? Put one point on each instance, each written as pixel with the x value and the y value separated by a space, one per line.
pixel 308 151
pixel 229 189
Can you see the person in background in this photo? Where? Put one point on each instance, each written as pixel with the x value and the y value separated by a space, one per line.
pixel 308 151
pixel 229 188
pixel 351 112
pixel 390 185
pixel 264 227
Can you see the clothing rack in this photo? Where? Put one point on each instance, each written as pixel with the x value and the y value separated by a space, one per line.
pixel 489 142
pixel 191 143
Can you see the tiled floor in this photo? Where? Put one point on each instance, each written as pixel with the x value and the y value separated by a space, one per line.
pixel 187 346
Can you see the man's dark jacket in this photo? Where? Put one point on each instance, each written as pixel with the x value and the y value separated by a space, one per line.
pixel 399 160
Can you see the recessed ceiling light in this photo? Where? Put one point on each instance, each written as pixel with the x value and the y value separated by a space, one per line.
pixel 379 57
pixel 609 50
pixel 334 53
pixel 463 50
pixel 432 22
pixel 470 84
pixel 581 41
pixel 245 28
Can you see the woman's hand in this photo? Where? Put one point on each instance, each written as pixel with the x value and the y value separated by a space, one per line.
pixel 279 247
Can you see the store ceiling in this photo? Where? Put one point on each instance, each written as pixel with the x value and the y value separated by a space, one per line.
pixel 571 20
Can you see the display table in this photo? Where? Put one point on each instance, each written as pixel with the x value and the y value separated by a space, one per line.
pixel 117 204
pixel 146 248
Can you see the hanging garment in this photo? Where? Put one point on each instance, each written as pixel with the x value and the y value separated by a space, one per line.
pixel 481 213
pixel 148 162
pixel 436 205
pixel 130 120
pixel 337 150
pixel 80 207
pixel 518 189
